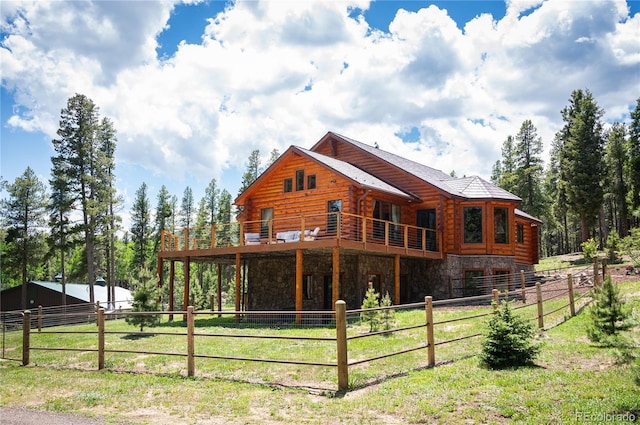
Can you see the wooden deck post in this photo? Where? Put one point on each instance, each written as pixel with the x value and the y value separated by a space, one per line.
pixel 523 286
pixel 101 339
pixel 396 278
pixel 26 329
pixel 219 289
pixel 191 364
pixel 172 277
pixel 238 287
pixel 572 305
pixel 540 308
pixel 335 276
pixel 431 348
pixel 299 275
pixel 187 278
pixel 341 341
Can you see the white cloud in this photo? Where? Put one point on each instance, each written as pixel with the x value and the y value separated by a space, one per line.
pixel 270 74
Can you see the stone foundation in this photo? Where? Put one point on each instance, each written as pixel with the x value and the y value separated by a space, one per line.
pixel 271 282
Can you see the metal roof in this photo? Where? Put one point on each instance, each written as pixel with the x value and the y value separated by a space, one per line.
pixel 123 296
pixel 468 187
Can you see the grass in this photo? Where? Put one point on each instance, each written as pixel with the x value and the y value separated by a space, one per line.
pixel 572 377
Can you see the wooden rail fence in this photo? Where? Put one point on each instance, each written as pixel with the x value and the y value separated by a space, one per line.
pixel 338 357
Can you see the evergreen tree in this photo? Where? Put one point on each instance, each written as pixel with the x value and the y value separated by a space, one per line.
pixel 145 299
pixel 186 208
pixel 581 167
pixel 211 195
pixel 528 169
pixel 80 145
pixel 141 227
pixel 224 217
pixel 509 340
pixel 507 179
pixel 24 215
pixel 163 212
pixel 252 171
pixel 609 315
pixel 371 301
pixel 633 164
pixel 617 187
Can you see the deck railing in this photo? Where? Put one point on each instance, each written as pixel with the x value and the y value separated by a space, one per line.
pixel 309 228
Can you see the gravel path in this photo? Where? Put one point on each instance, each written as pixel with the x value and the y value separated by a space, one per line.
pixel 23 416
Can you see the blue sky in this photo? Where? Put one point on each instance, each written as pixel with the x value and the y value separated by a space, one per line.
pixel 194 88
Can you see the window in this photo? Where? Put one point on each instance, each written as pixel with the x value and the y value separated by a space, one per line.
pixel 502 280
pixel 307 286
pixel 334 208
pixel 300 180
pixel 386 211
pixel 520 228
pixel 473 225
pixel 501 225
pixel 266 215
pixel 311 181
pixel 288 185
pixel 473 282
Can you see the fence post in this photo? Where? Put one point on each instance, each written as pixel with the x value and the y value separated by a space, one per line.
pixel 540 310
pixel 523 285
pixel 596 277
pixel 431 348
pixel 26 328
pixel 39 318
pixel 341 341
pixel 604 269
pixel 496 299
pixel 572 305
pixel 101 339
pixel 190 343
pixel 97 310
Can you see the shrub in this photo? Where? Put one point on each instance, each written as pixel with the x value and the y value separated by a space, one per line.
pixel 613 247
pixel 589 250
pixel 608 315
pixel 509 341
pixel 387 316
pixel 631 246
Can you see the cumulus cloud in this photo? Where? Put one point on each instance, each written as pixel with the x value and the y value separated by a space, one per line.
pixel 268 74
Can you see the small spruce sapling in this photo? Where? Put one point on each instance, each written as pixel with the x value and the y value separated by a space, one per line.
pixel 145 298
pixel 608 315
pixel 370 301
pixel 387 315
pixel 509 341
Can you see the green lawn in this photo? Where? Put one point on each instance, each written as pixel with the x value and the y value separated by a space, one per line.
pixel 572 382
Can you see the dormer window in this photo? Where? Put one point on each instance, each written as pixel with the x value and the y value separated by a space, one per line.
pixel 300 180
pixel 311 181
pixel 288 185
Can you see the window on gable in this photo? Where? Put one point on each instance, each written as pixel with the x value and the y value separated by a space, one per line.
pixel 288 185
pixel 300 180
pixel 520 236
pixel 473 225
pixel 311 181
pixel 501 225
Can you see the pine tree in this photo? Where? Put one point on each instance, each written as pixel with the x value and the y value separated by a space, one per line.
pixel 509 341
pixel 141 227
pixel 609 315
pixel 163 213
pixel 633 163
pixel 388 315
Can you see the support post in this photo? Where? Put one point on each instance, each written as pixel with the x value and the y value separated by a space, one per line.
pixel 172 277
pixel 238 286
pixel 26 329
pixel 299 276
pixel 540 309
pixel 187 279
pixel 191 364
pixel 335 277
pixel 219 288
pixel 101 339
pixel 396 278
pixel 523 286
pixel 431 348
pixel 572 305
pixel 341 341
pixel 39 318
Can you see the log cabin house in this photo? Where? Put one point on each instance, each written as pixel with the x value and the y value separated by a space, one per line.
pixel 322 224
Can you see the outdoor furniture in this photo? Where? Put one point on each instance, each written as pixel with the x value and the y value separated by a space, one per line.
pixel 252 238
